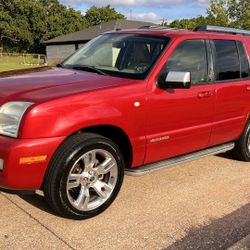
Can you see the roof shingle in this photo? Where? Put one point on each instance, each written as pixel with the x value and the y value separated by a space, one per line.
pixel 92 32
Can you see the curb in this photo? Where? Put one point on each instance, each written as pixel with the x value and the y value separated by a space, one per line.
pixel 243 244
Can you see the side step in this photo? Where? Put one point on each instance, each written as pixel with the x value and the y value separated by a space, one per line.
pixel 146 169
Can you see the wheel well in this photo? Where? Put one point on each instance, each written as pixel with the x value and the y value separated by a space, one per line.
pixel 115 134
pixel 118 136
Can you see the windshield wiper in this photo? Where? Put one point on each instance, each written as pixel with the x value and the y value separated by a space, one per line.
pixel 88 68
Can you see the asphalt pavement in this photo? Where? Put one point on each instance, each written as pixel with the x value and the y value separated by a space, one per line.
pixel 204 204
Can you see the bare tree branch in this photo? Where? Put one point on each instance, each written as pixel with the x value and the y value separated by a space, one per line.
pixel 10 38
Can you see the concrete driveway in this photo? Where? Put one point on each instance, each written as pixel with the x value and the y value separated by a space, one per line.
pixel 200 205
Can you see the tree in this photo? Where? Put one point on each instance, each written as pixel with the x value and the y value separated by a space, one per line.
pixel 97 15
pixel 13 30
pixel 218 13
pixel 239 13
pixel 188 23
pixel 25 24
pixel 228 13
pixel 61 19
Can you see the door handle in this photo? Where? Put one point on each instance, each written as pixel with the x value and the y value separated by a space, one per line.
pixel 248 88
pixel 206 94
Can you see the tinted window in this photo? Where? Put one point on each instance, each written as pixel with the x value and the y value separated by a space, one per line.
pixel 227 65
pixel 190 56
pixel 243 60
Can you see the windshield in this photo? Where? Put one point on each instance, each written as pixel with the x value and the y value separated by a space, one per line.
pixel 121 55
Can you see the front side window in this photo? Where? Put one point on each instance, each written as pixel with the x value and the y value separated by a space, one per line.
pixel 190 56
pixel 122 55
pixel 227 64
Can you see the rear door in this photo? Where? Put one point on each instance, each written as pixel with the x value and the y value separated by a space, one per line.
pixel 231 72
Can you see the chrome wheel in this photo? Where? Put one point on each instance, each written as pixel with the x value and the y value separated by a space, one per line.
pixel 92 179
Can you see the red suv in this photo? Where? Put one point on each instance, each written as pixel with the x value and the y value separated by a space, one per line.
pixel 130 101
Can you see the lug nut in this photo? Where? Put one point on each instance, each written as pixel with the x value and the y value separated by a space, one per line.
pixel 91 172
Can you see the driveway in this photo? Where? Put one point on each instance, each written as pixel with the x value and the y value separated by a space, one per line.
pixel 204 204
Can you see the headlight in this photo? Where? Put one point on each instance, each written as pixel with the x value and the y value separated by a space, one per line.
pixel 11 114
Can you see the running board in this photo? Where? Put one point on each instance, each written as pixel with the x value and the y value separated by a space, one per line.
pixel 146 169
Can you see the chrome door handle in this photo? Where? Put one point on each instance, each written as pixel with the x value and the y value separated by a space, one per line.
pixel 206 94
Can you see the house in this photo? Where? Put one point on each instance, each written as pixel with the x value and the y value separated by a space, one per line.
pixel 61 47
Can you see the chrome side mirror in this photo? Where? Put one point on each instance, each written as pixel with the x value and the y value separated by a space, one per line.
pixel 176 80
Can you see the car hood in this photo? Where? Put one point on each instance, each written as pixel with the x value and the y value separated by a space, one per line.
pixel 51 82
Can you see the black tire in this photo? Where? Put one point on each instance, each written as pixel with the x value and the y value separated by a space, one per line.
pixel 56 179
pixel 241 151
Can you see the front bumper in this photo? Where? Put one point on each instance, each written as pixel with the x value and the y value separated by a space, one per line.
pixel 18 176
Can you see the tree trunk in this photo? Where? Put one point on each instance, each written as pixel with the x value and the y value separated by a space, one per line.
pixel 1 47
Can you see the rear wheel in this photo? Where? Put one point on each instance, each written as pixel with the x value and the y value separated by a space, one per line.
pixel 242 147
pixel 84 176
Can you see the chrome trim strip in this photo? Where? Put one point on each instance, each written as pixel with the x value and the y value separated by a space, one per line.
pixel 149 168
pixel 212 28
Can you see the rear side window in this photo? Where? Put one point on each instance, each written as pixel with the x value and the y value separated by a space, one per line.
pixel 243 60
pixel 227 63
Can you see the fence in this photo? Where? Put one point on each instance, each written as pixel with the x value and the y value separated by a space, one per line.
pixel 24 59
pixel 14 61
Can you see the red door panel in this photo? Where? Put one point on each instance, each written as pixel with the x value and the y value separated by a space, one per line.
pixel 229 118
pixel 179 121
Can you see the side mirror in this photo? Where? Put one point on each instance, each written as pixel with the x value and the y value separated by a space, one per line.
pixel 175 80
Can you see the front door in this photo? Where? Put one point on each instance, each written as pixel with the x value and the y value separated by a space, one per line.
pixel 179 120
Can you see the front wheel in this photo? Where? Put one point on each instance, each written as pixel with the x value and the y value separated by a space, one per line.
pixel 84 176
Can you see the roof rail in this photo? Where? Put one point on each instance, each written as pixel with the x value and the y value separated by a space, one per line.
pixel 156 27
pixel 210 28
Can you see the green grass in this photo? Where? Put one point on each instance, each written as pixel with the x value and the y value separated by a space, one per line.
pixel 8 63
pixel 8 67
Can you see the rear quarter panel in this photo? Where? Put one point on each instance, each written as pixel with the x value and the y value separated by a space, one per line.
pixel 246 43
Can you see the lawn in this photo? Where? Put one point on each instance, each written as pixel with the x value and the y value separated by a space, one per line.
pixel 8 63
pixel 8 67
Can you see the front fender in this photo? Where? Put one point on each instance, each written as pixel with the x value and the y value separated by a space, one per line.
pixel 65 116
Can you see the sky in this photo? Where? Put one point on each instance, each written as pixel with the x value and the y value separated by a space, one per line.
pixel 147 10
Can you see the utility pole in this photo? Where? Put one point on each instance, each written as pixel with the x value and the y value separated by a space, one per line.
pixel 163 21
pixel 130 14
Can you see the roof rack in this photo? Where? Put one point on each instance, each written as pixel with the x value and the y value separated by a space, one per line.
pixel 157 27
pixel 210 28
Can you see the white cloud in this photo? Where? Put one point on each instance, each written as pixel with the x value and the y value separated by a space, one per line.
pixel 204 3
pixel 134 3
pixel 71 2
pixel 145 16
